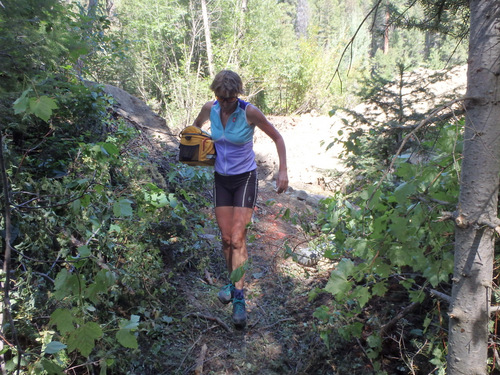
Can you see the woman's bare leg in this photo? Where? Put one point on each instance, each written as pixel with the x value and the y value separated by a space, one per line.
pixel 233 223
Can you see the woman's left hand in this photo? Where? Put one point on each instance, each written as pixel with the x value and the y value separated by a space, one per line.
pixel 282 182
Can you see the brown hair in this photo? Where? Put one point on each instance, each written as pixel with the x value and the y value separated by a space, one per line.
pixel 227 81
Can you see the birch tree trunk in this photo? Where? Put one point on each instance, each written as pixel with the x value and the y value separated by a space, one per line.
pixel 208 39
pixel 478 201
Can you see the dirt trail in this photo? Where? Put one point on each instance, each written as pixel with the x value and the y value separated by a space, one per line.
pixel 279 338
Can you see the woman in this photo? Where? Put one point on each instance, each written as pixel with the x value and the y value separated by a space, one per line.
pixel 232 125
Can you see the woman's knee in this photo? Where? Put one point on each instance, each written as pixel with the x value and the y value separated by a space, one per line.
pixel 238 241
pixel 226 240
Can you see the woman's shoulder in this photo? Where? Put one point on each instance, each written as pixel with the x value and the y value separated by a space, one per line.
pixel 253 112
pixel 209 104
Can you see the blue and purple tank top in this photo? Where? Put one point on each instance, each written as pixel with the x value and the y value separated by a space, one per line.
pixel 234 143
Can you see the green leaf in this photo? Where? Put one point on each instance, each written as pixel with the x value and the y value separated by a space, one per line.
pixel 110 149
pixel 346 267
pixel 51 368
pixel 115 228
pixel 66 284
pixel 399 228
pixel 54 347
pixel 238 273
pixel 124 336
pixel 133 323
pixel 21 103
pixel 102 282
pixel 400 256
pixel 362 295
pixel 157 198
pixel 172 200
pixel 123 208
pixel 76 206
pixel 337 285
pixel 84 251
pixel 83 338
pixel 63 319
pixel 374 341
pixel 42 107
pixel 127 339
pixel 322 313
pixel 379 289
pixel 360 247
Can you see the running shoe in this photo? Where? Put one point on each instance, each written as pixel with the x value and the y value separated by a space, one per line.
pixel 226 294
pixel 239 313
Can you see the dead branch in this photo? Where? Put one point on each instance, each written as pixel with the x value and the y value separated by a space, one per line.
pixel 408 309
pixel 201 360
pixel 5 315
pixel 443 296
pixel 209 317
pixel 350 44
pixel 430 120
pixel 208 277
pixel 494 308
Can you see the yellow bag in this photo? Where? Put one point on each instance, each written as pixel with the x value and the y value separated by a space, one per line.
pixel 196 147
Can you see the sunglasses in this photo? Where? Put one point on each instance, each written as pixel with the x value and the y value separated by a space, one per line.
pixel 231 99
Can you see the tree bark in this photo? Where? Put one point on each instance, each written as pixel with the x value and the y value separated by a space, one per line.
pixel 208 39
pixel 5 316
pixel 302 20
pixel 478 201
pixel 386 31
pixel 92 8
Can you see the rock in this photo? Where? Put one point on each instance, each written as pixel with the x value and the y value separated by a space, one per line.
pixel 301 195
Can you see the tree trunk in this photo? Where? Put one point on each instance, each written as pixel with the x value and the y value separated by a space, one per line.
pixel 302 20
pixel 208 39
pixel 386 31
pixel 478 201
pixel 5 317
pixel 92 8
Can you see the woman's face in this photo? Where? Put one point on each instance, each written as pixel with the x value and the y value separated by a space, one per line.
pixel 228 101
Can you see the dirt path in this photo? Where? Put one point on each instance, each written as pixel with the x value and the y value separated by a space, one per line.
pixel 279 337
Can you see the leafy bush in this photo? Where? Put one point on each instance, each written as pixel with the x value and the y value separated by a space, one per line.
pixel 389 238
pixel 94 223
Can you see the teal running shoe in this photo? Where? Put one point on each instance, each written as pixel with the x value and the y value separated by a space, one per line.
pixel 239 313
pixel 226 294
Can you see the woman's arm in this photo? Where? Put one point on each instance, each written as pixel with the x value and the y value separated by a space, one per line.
pixel 257 118
pixel 204 114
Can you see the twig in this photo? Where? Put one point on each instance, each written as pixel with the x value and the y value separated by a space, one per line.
pixel 4 339
pixel 212 318
pixel 350 44
pixel 443 296
pixel 201 360
pixel 6 306
pixel 364 351
pixel 208 277
pixel 412 306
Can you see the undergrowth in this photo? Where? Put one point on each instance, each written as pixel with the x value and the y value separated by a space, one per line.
pixel 98 228
pixel 394 251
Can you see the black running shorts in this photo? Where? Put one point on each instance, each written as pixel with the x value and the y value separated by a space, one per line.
pixel 237 191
